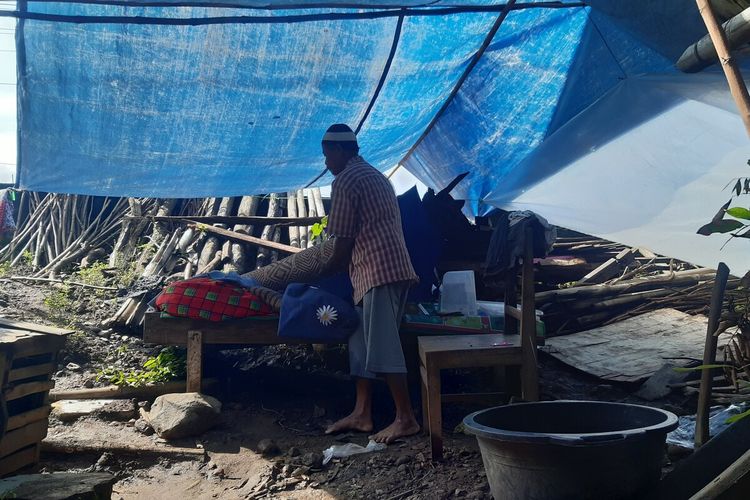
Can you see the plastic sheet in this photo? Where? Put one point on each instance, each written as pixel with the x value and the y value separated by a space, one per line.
pixel 239 108
pixel 684 435
pixel 349 449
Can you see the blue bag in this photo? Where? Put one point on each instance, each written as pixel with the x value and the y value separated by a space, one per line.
pixel 316 315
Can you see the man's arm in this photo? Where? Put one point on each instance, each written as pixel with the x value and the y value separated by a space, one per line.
pixel 342 255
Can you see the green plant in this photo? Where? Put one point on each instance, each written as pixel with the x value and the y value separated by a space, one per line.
pixel 58 303
pixel 28 257
pixel 4 268
pixel 168 365
pixel 127 275
pixel 92 275
pixel 318 230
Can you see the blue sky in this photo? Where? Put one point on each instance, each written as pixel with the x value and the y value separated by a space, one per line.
pixel 7 96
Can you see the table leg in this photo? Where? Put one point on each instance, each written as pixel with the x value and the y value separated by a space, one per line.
pixel 194 361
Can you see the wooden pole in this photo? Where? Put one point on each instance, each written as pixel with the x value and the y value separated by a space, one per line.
pixel 709 356
pixel 731 70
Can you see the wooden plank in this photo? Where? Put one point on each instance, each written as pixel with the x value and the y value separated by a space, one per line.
pixel 634 349
pixel 194 360
pixel 609 269
pixel 244 238
pixel 19 460
pixel 22 419
pixel 31 371
pixel 21 343
pixel 172 331
pixel 33 327
pixel 22 390
pixel 23 436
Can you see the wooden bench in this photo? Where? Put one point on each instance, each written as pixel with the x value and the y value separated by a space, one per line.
pixel 195 333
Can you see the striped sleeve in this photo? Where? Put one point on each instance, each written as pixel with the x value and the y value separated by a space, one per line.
pixel 343 221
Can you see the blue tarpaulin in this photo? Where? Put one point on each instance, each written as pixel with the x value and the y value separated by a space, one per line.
pixel 132 99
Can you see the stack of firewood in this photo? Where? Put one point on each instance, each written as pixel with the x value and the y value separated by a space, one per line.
pixel 158 240
pixel 608 282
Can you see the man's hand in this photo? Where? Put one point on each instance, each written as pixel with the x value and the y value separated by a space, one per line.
pixel 342 255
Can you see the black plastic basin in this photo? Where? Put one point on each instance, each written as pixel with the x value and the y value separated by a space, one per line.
pixel 571 449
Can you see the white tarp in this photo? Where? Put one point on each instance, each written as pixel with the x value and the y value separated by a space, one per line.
pixel 646 165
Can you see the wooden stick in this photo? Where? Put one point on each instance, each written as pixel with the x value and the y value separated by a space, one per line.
pixel 235 219
pixel 231 235
pixel 55 280
pixel 709 357
pixel 729 65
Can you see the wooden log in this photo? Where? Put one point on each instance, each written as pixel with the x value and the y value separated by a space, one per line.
pixel 243 220
pixel 729 65
pixel 241 254
pixel 702 434
pixel 676 279
pixel 274 209
pixel 63 446
pixel 702 53
pixel 117 392
pixel 302 212
pixel 291 207
pixel 129 236
pixel 318 198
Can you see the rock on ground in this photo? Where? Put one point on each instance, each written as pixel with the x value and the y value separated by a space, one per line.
pixel 174 416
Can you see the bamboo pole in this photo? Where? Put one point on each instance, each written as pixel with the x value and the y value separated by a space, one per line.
pixel 702 434
pixel 729 65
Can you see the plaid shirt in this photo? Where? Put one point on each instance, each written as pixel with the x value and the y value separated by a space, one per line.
pixel 364 207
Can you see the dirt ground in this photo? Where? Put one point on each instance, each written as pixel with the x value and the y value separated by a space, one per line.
pixel 288 395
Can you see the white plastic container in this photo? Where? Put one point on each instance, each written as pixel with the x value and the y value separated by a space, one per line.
pixel 458 293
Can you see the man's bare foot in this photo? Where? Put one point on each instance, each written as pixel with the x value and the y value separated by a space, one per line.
pixel 351 423
pixel 398 429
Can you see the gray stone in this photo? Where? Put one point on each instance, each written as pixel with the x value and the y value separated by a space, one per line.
pixel 658 385
pixel 294 452
pixel 57 486
pixel 268 447
pixel 117 409
pixel 174 416
pixel 313 460
pixel 143 427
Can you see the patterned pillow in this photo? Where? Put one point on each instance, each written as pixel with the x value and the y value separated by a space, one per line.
pixel 208 299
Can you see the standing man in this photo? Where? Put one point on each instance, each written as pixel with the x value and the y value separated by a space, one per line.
pixel 366 226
